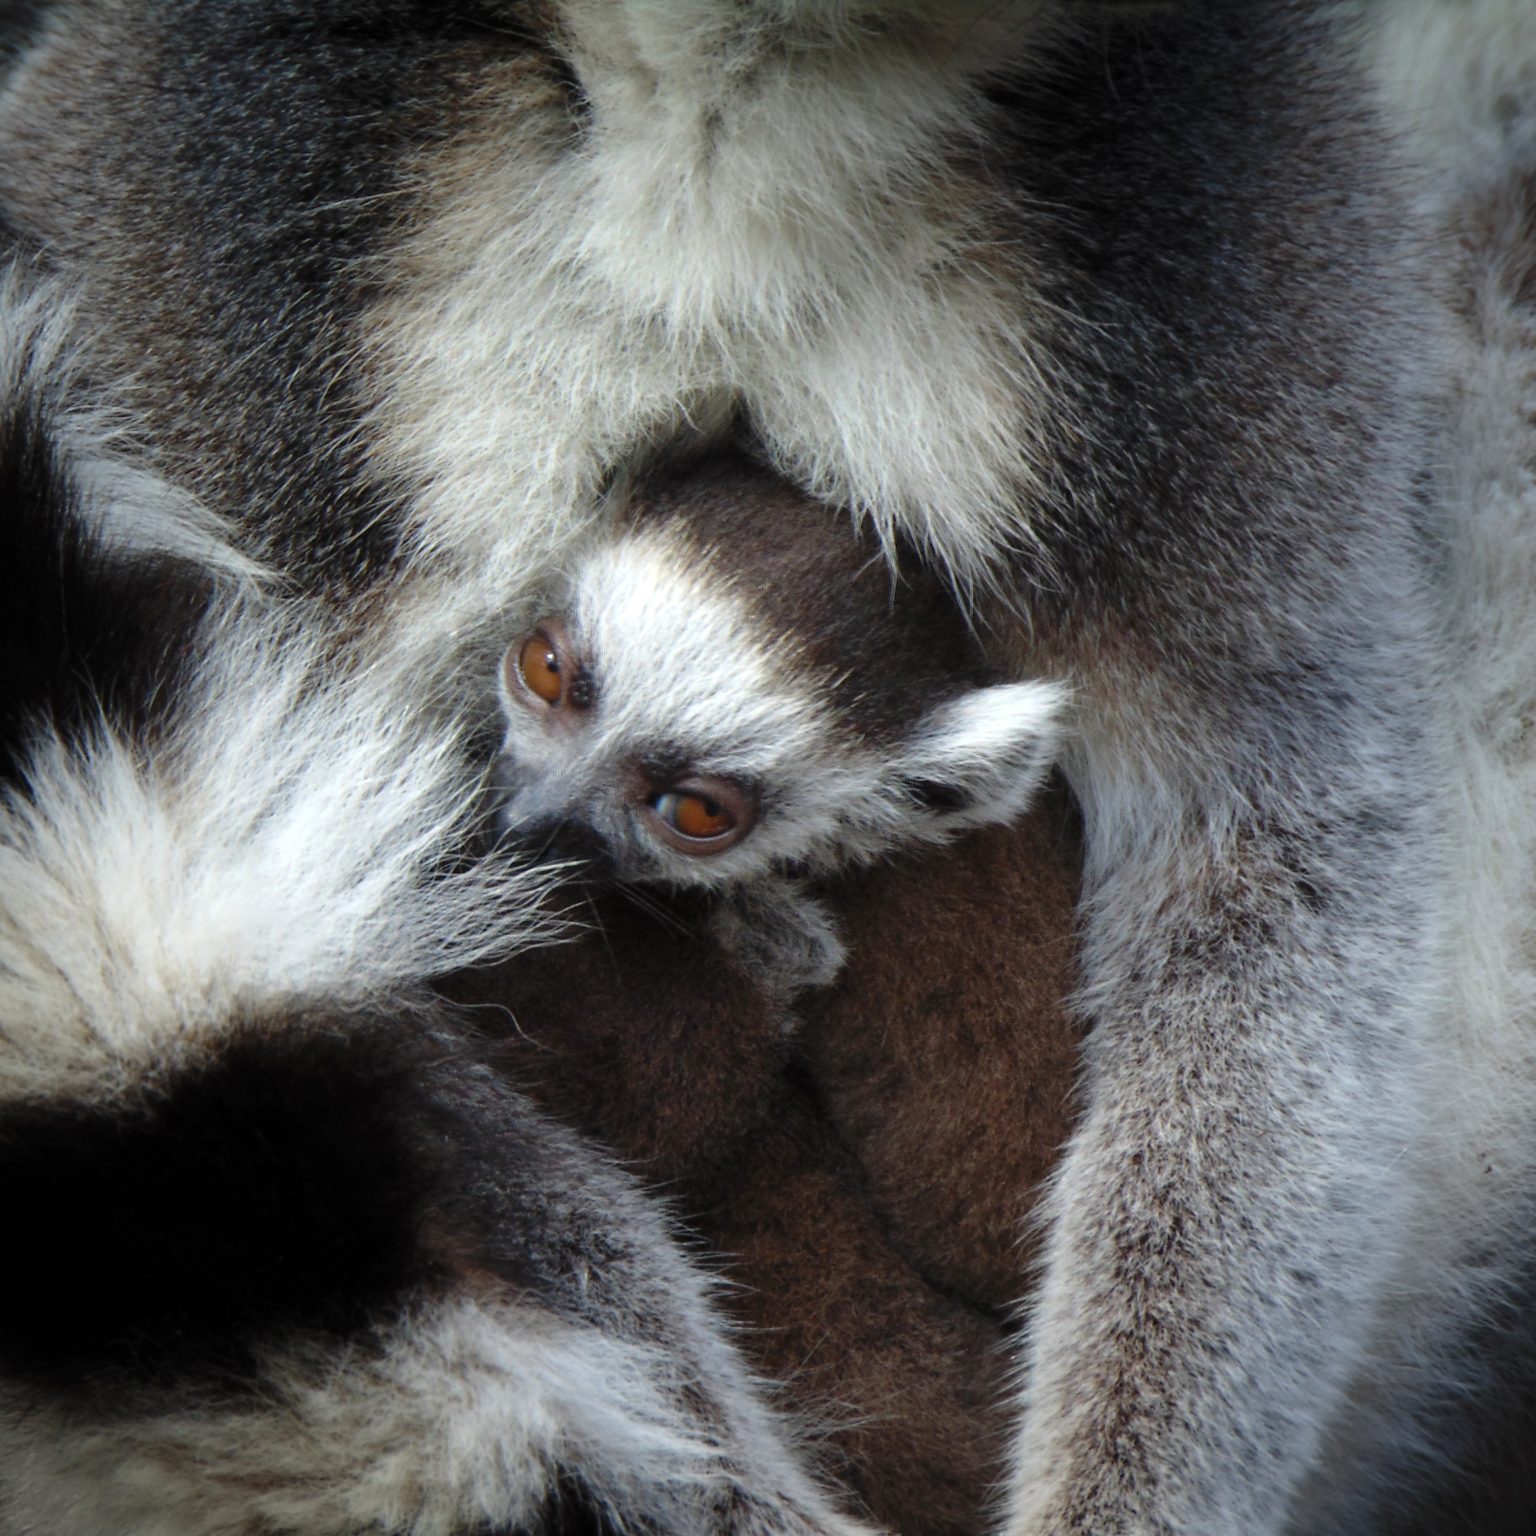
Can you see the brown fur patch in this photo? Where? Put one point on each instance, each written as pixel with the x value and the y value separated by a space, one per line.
pixel 643 1034
pixel 909 1380
pixel 864 1180
pixel 946 1054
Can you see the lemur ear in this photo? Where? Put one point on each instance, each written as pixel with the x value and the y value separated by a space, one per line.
pixel 978 759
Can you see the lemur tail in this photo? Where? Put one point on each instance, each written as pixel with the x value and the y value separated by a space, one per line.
pixel 281 1249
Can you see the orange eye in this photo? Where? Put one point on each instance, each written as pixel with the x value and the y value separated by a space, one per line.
pixel 702 816
pixel 693 815
pixel 538 664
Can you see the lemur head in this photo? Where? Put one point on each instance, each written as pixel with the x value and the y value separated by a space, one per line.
pixel 734 686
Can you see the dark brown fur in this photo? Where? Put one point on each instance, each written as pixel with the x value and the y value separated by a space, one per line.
pixel 864 1180
pixel 885 643
pixel 946 1053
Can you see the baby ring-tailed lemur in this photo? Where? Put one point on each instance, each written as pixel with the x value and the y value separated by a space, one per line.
pixel 724 699
pixel 1124 316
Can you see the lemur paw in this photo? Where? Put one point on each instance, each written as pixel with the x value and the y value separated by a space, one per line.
pixel 781 934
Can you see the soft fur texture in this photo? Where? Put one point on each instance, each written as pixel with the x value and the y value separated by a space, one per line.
pixel 282 1251
pixel 1137 323
pixel 949 1064
pixel 721 638
pixel 863 1180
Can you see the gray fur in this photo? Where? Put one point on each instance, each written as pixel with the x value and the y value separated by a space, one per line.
pixel 1119 319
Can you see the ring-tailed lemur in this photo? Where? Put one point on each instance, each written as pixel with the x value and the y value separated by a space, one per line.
pixel 718 708
pixel 725 699
pixel 283 1250
pixel 1123 316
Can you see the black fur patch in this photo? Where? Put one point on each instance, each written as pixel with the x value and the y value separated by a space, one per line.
pixel 565 841
pixel 83 630
pixel 312 1176
pixel 17 18
pixel 934 795
pixel 572 1509
pixel 275 1186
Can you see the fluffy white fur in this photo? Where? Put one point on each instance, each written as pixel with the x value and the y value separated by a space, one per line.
pixel 275 849
pixel 683 667
pixel 810 250
pixel 278 851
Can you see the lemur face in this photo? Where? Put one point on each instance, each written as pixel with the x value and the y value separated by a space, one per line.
pixel 733 687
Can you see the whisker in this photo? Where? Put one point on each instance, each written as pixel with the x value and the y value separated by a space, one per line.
pixel 639 897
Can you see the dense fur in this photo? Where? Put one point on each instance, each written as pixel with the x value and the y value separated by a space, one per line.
pixel 720 640
pixel 721 637
pixel 1129 321
pixel 869 1304
pixel 948 1064
pixel 283 1251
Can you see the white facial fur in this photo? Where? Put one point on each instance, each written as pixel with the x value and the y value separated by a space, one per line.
pixel 686 680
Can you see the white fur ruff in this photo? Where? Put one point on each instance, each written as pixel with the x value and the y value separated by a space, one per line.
pixel 278 852
pixel 764 213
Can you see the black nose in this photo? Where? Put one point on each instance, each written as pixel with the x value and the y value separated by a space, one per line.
pixel 561 840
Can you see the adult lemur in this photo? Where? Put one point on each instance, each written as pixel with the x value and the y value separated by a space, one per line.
pixel 1122 318
pixel 285 1250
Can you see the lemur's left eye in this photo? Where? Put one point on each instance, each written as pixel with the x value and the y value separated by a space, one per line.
pixel 701 817
pixel 543 669
pixel 538 664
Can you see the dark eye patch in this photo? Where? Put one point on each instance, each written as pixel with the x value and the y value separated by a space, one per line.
pixel 664 765
pixel 582 691
pixel 937 796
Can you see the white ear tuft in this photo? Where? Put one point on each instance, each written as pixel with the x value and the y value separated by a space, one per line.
pixel 977 760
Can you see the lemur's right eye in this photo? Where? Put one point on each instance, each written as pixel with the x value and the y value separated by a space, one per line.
pixel 701 815
pixel 544 671
pixel 538 664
